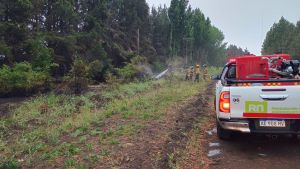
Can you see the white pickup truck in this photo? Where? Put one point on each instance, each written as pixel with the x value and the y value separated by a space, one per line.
pixel 256 106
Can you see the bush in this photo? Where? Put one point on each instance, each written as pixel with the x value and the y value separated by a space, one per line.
pixel 133 70
pixel 129 72
pixel 22 80
pixel 96 70
pixel 78 78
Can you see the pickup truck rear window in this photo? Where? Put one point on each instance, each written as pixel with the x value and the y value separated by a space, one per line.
pixel 231 73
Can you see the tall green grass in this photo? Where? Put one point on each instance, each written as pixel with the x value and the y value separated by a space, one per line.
pixel 40 122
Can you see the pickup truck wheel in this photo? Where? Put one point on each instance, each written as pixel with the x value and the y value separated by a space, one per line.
pixel 223 134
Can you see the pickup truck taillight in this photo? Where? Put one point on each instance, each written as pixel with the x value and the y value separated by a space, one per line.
pixel 224 103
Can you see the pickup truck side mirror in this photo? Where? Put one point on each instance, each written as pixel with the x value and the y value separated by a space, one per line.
pixel 216 77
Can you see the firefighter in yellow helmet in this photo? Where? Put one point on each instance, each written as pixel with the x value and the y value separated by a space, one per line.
pixel 205 72
pixel 191 73
pixel 187 74
pixel 197 73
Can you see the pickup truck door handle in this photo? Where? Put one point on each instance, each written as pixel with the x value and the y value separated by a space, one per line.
pixel 274 97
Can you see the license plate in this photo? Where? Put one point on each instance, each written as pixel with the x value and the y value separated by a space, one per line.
pixel 272 123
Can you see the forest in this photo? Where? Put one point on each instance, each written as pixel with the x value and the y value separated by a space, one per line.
pixel 45 40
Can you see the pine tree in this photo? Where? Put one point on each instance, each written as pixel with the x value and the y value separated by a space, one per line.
pixel 279 37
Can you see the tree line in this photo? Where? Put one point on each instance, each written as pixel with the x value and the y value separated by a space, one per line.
pixel 107 35
pixel 283 37
pixel 233 50
pixel 182 31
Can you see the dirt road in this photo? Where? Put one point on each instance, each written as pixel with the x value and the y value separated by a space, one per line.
pixel 253 151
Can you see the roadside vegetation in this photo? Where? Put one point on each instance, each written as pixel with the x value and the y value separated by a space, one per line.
pixel 21 79
pixel 69 130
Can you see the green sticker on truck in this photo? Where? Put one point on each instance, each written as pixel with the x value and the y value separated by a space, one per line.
pixel 256 107
pixel 286 110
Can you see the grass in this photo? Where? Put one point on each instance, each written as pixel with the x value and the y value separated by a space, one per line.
pixel 36 130
pixel 171 163
pixel 47 117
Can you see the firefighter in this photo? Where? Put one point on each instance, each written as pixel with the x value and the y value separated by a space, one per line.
pixel 197 73
pixel 191 73
pixel 205 72
pixel 187 74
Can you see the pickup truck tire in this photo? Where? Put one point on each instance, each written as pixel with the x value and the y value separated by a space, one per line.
pixel 223 134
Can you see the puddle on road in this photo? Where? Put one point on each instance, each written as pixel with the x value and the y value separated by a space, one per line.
pixel 211 132
pixel 214 144
pixel 262 155
pixel 213 153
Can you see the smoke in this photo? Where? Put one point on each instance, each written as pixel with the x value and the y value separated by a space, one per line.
pixel 145 69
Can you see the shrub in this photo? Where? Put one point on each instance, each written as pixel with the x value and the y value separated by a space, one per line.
pixel 96 70
pixel 133 70
pixel 128 72
pixel 78 77
pixel 112 80
pixel 22 80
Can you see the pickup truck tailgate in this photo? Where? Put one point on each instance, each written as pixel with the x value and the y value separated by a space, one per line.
pixel 279 102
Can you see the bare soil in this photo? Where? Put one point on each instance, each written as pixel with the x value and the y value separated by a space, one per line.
pixel 162 142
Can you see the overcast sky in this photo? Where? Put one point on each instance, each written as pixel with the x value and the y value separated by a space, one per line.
pixel 244 22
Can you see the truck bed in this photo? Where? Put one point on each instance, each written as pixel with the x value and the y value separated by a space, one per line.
pixel 234 81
